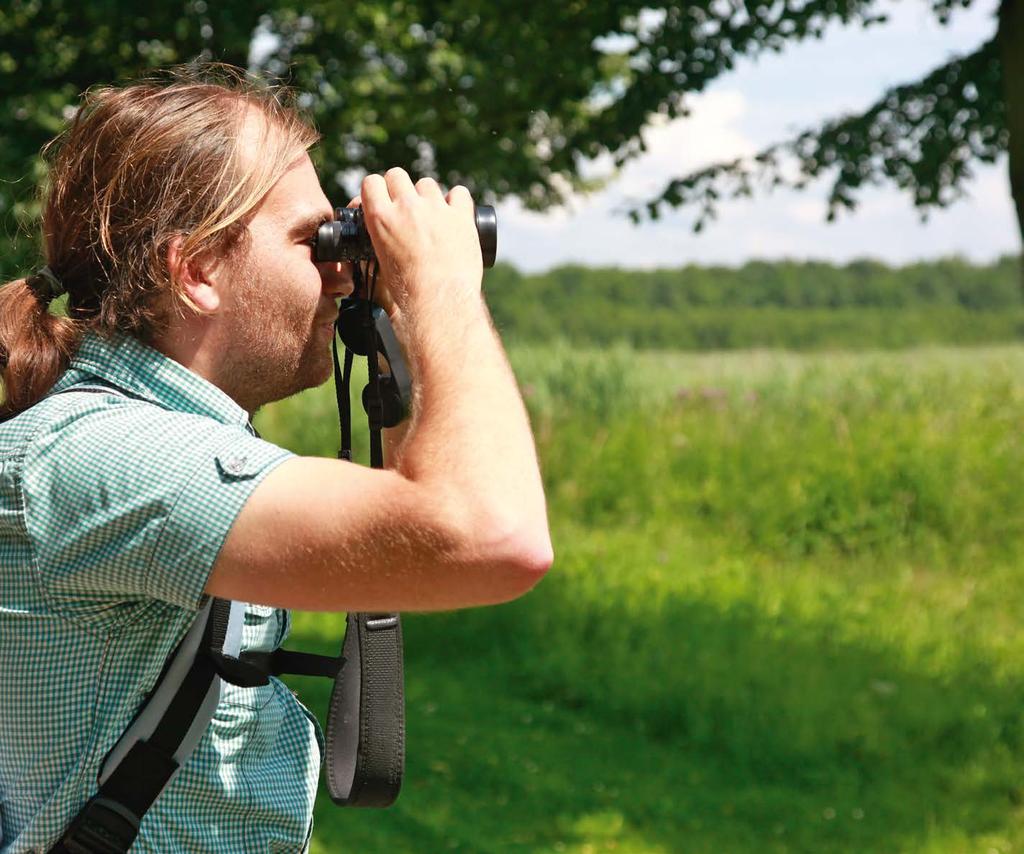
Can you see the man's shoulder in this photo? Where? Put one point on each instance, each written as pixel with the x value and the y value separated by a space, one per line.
pixel 101 414
pixel 56 412
pixel 120 494
pixel 102 430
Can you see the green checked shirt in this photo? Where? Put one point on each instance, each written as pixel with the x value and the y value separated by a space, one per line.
pixel 116 493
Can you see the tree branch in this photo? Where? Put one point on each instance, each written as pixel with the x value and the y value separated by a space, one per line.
pixel 921 136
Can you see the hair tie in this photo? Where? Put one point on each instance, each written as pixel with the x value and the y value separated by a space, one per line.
pixel 45 285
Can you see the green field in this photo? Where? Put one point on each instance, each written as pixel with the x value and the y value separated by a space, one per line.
pixel 783 616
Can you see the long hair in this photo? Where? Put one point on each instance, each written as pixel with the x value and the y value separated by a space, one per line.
pixel 168 158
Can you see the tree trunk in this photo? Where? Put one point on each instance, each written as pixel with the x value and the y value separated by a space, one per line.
pixel 1011 41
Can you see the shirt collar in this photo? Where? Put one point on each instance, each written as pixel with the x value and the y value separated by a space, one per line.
pixel 126 363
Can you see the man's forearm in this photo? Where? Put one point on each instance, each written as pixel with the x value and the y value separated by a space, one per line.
pixel 469 454
pixel 470 429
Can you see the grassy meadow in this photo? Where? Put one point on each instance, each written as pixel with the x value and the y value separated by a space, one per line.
pixel 783 616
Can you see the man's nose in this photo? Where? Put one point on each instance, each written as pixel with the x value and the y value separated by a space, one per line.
pixel 337 278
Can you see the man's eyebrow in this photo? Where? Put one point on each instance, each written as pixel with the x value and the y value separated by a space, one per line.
pixel 306 226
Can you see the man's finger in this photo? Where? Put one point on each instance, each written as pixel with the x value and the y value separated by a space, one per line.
pixel 375 193
pixel 428 188
pixel 399 183
pixel 459 197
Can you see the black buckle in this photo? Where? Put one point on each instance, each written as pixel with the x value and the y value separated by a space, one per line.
pixel 102 827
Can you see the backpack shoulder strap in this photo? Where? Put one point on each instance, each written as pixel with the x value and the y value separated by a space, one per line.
pixel 157 743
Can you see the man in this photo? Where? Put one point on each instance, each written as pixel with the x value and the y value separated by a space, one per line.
pixel 179 221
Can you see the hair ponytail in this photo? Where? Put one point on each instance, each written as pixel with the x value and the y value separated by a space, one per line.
pixel 35 346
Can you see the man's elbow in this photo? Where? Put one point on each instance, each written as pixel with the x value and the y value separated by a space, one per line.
pixel 521 554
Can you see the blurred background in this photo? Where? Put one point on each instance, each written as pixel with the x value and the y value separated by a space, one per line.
pixel 760 281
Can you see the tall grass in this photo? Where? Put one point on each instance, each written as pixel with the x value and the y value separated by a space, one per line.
pixel 790 583
pixel 792 457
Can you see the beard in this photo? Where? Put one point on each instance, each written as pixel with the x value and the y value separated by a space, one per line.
pixel 279 345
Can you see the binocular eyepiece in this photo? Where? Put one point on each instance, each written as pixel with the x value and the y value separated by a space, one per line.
pixel 345 238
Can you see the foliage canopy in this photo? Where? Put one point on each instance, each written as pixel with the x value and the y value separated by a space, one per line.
pixel 511 99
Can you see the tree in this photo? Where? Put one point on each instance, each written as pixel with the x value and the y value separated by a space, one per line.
pixel 923 136
pixel 514 98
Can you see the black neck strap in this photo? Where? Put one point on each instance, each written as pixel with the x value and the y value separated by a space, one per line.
pixel 365 737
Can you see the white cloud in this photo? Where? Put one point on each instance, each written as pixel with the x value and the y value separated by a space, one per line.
pixel 709 134
pixel 675 147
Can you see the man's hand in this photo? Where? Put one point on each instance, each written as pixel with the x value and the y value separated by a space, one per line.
pixel 426 243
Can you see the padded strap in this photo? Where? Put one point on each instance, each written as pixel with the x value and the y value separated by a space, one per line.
pixel 365 762
pixel 149 754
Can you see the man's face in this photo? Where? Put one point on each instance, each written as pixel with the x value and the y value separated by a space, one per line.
pixel 281 306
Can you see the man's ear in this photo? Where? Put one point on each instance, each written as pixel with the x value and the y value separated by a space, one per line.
pixel 196 282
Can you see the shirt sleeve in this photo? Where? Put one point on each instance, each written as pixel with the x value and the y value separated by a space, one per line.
pixel 133 501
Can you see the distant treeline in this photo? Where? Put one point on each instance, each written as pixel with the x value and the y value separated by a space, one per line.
pixel 799 305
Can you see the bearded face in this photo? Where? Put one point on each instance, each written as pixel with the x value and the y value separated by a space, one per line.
pixel 281 337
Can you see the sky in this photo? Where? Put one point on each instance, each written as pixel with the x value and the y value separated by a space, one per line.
pixel 762 102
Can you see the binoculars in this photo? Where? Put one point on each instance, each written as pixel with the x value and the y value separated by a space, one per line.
pixel 345 238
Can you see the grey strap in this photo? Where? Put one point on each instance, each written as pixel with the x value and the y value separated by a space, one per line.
pixel 366 719
pixel 154 747
pixel 143 726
